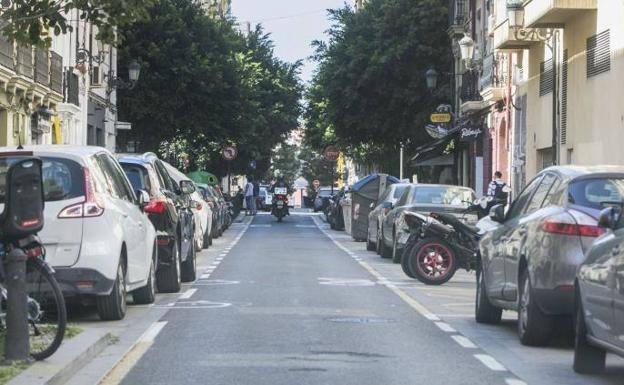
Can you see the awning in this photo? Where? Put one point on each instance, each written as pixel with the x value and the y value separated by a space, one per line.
pixel 433 149
pixel 443 160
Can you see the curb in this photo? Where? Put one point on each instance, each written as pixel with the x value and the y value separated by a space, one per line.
pixel 72 356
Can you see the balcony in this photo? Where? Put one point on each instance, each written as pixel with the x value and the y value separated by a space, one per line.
pixel 469 94
pixel 554 13
pixel 494 78
pixel 505 38
pixel 457 18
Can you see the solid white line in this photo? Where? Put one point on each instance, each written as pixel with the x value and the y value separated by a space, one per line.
pixel 187 294
pixel 151 333
pixel 513 381
pixel 445 327
pixel 490 362
pixel 464 342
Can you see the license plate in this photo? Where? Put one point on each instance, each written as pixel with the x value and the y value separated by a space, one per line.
pixel 280 191
pixel 280 204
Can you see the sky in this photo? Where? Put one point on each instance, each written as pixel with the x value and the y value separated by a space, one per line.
pixel 293 25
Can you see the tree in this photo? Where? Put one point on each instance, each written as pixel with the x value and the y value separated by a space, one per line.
pixel 204 85
pixel 33 21
pixel 285 162
pixel 369 90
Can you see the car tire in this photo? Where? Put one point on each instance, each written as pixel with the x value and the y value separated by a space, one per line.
pixel 112 307
pixel 168 278
pixel 588 359
pixel 396 251
pixel 207 242
pixel 534 327
pixel 146 294
pixel 189 270
pixel 405 261
pixel 485 312
pixel 443 248
pixel 370 246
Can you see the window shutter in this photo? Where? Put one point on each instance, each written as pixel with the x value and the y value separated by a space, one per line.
pixel 598 54
pixel 564 98
pixel 546 77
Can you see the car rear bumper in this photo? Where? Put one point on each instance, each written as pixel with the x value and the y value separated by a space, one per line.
pixel 555 301
pixel 166 243
pixel 82 281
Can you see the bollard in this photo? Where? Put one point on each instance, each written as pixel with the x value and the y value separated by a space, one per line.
pixel 16 344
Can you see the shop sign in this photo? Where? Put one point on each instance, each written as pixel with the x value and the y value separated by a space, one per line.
pixel 470 133
pixel 440 118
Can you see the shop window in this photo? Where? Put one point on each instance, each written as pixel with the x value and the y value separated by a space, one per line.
pixel 598 54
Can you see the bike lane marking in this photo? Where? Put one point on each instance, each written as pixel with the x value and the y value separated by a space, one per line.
pixel 487 360
pixel 188 294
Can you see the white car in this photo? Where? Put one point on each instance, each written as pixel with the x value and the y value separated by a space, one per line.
pixel 202 213
pixel 96 235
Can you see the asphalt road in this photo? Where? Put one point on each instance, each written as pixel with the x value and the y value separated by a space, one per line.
pixel 287 305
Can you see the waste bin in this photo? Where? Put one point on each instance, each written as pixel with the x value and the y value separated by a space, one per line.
pixel 345 202
pixel 366 191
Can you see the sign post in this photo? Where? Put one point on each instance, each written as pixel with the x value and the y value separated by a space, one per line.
pixel 229 153
pixel 331 154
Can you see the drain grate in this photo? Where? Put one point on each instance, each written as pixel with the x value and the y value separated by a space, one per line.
pixel 361 320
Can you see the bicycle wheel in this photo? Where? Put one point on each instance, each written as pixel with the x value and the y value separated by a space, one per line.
pixel 47 316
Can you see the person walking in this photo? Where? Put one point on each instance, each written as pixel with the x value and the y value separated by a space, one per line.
pixel 256 197
pixel 249 197
pixel 498 188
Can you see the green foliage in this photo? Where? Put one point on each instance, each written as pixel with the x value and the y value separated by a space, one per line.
pixel 204 85
pixel 370 90
pixel 32 22
pixel 314 166
pixel 285 162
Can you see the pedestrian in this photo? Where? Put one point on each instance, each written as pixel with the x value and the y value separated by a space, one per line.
pixel 498 188
pixel 249 196
pixel 256 196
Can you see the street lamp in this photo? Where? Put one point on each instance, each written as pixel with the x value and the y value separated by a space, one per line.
pixel 466 48
pixel 134 70
pixel 431 76
pixel 117 83
pixel 515 13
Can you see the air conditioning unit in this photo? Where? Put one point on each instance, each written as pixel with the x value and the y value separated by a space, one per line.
pixel 96 79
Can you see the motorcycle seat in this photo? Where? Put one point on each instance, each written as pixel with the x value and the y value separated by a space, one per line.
pixel 454 221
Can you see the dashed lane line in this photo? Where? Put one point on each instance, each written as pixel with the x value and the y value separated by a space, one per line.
pixel 188 294
pixel 490 362
pixel 464 342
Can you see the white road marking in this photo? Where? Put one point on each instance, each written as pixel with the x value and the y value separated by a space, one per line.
pixel 514 381
pixel 345 282
pixel 306 226
pixel 464 342
pixel 490 362
pixel 187 294
pixel 151 333
pixel 445 327
pixel 259 225
pixel 205 276
pixel 223 255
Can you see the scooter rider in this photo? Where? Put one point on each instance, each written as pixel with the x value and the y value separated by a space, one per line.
pixel 280 183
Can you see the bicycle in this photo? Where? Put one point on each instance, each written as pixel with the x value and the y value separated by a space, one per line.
pixel 21 220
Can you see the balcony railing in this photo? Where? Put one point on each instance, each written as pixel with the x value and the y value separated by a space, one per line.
pixel 457 12
pixel 470 87
pixel 494 74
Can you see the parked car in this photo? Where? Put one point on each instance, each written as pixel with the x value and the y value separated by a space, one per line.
pixel 529 260
pixel 388 199
pixel 333 212
pixel 599 293
pixel 219 209
pixel 227 205
pixel 96 236
pixel 321 201
pixel 201 211
pixel 424 199
pixel 168 213
pixel 264 200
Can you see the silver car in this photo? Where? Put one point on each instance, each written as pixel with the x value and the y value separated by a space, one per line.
pixel 390 197
pixel 530 258
pixel 600 294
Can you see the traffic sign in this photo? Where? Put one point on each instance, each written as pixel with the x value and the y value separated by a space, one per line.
pixel 316 183
pixel 331 153
pixel 229 153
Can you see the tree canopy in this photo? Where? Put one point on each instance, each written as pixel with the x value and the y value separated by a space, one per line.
pixel 204 85
pixel 369 93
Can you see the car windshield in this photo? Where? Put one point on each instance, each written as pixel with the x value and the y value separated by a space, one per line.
pixel 597 193
pixel 442 195
pixel 62 178
pixel 325 192
pixel 398 191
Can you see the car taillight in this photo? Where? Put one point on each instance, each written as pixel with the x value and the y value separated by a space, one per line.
pixel 87 209
pixel 155 206
pixel 554 227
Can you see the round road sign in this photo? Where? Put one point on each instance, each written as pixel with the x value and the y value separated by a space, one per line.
pixel 316 183
pixel 331 153
pixel 229 153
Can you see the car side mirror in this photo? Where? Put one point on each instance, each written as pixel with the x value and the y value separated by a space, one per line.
pixel 497 213
pixel 143 198
pixel 609 217
pixel 187 187
pixel 372 206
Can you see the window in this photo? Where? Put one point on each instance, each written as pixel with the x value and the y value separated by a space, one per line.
pixel 121 180
pixel 546 77
pixel 163 176
pixel 518 205
pixel 598 54
pixel 540 194
pixel 442 195
pixel 403 199
pixel 138 177
pixel 398 191
pixel 62 178
pixel 596 193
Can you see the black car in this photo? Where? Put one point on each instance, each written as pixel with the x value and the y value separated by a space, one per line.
pixel 334 210
pixel 169 212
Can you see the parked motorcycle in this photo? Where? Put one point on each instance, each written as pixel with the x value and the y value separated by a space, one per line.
pixel 440 243
pixel 280 203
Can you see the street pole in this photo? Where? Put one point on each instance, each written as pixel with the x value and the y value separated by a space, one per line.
pixel 229 179
pixel 555 100
pixel 401 162
pixel 16 343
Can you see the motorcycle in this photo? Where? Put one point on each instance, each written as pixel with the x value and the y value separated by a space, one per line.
pixel 280 203
pixel 441 243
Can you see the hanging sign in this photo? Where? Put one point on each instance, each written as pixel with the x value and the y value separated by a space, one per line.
pixel 440 118
pixel 469 133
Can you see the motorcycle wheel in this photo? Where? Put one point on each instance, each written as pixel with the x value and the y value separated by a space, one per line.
pixel 432 261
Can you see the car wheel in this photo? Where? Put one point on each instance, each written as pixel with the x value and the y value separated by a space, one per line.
pixel 188 267
pixel 534 327
pixel 485 312
pixel 396 251
pixel 168 278
pixel 112 307
pixel 370 246
pixel 206 241
pixel 588 359
pixel 405 260
pixel 146 294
